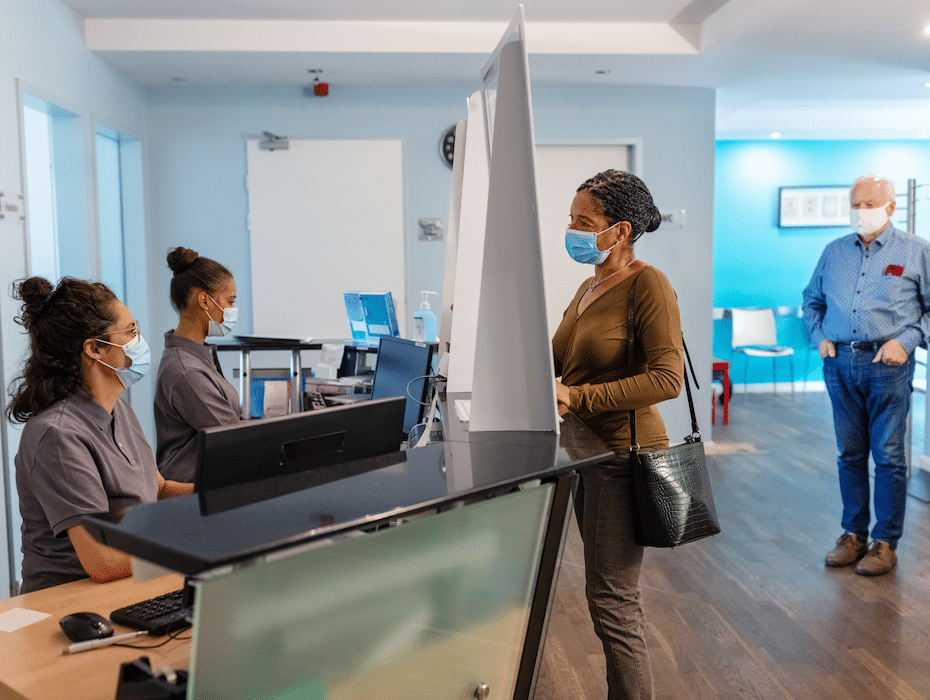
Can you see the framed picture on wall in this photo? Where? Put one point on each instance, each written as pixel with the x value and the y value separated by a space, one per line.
pixel 804 207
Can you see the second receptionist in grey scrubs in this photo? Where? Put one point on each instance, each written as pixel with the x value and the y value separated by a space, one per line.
pixel 192 393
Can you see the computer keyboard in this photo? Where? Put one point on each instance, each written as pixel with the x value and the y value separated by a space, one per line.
pixel 159 615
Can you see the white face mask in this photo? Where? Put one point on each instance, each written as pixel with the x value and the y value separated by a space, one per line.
pixel 140 359
pixel 229 320
pixel 865 222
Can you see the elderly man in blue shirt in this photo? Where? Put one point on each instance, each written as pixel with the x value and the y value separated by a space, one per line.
pixel 868 307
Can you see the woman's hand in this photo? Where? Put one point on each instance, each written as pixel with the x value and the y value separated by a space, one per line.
pixel 563 397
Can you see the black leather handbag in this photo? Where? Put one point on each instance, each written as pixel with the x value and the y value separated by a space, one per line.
pixel 673 500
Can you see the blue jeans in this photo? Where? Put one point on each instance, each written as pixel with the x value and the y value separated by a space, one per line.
pixel 870 407
pixel 604 510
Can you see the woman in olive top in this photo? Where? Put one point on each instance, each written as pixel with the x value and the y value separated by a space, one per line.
pixel 192 392
pixel 82 451
pixel 608 213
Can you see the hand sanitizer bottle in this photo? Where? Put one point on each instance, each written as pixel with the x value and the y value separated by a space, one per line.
pixel 424 321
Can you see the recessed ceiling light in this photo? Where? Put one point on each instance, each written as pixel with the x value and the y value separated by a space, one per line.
pixel 776 134
pixel 922 135
pixel 927 30
pixel 926 84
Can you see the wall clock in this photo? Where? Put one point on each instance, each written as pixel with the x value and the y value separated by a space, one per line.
pixel 447 145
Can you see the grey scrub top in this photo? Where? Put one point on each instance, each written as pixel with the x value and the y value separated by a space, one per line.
pixel 191 394
pixel 76 459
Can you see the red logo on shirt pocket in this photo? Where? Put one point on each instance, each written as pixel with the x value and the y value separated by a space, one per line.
pixel 896 270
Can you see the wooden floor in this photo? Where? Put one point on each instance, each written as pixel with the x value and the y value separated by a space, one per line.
pixel 753 613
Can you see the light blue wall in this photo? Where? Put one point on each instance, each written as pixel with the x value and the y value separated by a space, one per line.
pixel 42 50
pixel 197 168
pixel 758 264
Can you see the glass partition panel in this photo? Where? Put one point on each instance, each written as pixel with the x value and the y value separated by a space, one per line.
pixel 431 608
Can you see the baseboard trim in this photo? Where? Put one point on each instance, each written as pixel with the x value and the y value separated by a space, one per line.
pixel 808 387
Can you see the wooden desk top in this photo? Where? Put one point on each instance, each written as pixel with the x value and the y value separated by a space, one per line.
pixel 32 666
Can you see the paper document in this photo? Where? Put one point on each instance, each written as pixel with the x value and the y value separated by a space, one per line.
pixel 17 618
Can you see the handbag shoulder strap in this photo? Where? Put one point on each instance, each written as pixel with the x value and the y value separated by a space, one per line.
pixel 695 435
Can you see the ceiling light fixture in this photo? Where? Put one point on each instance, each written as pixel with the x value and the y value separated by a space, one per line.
pixel 602 71
pixel 922 134
pixel 776 134
pixel 927 30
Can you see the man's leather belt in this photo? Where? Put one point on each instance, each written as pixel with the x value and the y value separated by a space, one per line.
pixel 864 345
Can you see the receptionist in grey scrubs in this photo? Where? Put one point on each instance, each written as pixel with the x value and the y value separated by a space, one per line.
pixel 82 450
pixel 192 392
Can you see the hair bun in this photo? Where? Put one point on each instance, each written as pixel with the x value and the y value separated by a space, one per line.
pixel 179 259
pixel 36 294
pixel 654 220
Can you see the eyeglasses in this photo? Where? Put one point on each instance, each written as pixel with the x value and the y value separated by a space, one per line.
pixel 134 329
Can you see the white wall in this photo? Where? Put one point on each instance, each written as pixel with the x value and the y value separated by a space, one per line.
pixel 41 45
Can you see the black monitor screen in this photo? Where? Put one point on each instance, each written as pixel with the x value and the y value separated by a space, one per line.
pixel 403 369
pixel 253 461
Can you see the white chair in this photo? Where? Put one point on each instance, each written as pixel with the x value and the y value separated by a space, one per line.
pixel 754 336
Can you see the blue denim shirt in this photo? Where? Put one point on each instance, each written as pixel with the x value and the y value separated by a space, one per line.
pixel 882 293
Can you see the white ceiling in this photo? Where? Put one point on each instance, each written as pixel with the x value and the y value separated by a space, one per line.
pixel 806 68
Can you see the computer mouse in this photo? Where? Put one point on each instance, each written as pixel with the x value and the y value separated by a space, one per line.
pixel 82 626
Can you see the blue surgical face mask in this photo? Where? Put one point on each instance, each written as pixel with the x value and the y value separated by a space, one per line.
pixel 229 320
pixel 137 350
pixel 582 246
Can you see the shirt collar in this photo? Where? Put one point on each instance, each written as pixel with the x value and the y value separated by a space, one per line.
pixel 881 239
pixel 176 341
pixel 92 410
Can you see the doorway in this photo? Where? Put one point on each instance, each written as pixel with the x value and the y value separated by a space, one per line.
pixel 560 169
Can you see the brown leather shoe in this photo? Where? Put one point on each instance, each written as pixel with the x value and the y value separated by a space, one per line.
pixel 880 560
pixel 849 549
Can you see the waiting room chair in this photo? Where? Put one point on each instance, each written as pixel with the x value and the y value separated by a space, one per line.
pixel 754 336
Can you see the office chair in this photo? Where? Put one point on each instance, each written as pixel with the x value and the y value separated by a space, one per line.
pixel 754 336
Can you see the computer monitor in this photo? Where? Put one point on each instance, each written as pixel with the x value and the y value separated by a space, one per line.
pixel 252 461
pixel 403 369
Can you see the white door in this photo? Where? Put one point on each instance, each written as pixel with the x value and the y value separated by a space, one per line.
pixel 325 217
pixel 559 172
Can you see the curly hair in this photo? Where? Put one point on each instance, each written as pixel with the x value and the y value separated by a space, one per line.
pixel 58 320
pixel 624 197
pixel 192 272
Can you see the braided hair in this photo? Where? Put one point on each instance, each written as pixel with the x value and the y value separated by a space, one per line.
pixel 58 320
pixel 193 272
pixel 624 197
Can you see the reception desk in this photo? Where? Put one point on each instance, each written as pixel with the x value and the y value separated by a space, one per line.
pixel 427 578
pixel 32 666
